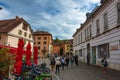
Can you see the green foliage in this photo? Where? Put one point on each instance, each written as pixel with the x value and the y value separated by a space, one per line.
pixel 6 60
pixel 61 51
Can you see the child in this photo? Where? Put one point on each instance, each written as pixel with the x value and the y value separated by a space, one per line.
pixel 105 64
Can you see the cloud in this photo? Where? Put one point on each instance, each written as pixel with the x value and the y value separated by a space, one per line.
pixel 4 13
pixel 59 17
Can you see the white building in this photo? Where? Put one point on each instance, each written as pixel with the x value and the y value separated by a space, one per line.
pixel 99 35
pixel 12 30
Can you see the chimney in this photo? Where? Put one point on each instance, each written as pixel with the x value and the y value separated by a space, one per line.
pixel 102 1
pixel 88 15
pixel 17 18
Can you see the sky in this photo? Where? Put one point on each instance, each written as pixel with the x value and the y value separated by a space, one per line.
pixel 61 18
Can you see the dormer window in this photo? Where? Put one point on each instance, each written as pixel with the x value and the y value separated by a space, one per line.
pixel 25 26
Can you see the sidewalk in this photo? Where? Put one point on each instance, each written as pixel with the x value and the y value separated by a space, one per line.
pixel 85 72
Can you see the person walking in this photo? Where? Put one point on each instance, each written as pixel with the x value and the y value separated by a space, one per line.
pixel 88 58
pixel 63 63
pixel 58 64
pixel 76 59
pixel 105 64
pixel 67 60
pixel 52 64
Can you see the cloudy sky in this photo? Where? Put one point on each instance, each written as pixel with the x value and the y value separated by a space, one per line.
pixel 59 17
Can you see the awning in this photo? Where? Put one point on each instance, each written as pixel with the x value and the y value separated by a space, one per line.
pixel 12 49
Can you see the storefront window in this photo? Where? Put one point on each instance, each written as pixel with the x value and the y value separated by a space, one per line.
pixel 103 50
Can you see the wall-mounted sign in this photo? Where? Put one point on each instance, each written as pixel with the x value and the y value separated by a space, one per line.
pixel 113 47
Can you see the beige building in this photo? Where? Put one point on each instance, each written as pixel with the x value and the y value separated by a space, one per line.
pixel 43 40
pixel 99 35
pixel 12 30
pixel 67 46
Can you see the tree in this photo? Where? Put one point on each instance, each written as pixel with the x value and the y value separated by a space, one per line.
pixel 6 60
pixel 61 51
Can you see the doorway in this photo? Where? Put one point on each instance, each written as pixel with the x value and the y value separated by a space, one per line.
pixel 94 55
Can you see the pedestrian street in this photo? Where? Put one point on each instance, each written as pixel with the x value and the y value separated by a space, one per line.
pixel 85 72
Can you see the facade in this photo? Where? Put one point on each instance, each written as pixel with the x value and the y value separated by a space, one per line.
pixel 43 40
pixel 12 30
pixel 56 48
pixel 67 46
pixel 99 35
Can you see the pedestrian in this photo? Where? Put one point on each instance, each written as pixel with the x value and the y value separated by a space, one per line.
pixel 88 58
pixel 105 64
pixel 67 61
pixel 62 63
pixel 52 64
pixel 72 60
pixel 76 59
pixel 58 64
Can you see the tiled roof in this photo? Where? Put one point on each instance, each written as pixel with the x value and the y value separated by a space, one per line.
pixel 8 25
pixel 41 33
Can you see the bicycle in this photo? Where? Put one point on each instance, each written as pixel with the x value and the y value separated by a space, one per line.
pixel 44 77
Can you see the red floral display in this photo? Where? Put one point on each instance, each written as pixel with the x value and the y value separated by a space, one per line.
pixel 35 55
pixel 28 55
pixel 20 51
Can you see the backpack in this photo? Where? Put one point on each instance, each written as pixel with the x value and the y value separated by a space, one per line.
pixel 52 62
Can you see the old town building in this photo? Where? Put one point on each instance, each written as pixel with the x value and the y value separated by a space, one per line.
pixel 99 35
pixel 43 40
pixel 67 46
pixel 12 30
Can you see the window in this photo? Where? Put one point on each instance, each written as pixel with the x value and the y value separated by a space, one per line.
pixel 71 45
pixel 45 38
pixel 90 31
pixel 38 42
pixel 97 27
pixel 25 34
pixel 85 34
pixel 67 45
pixel 34 43
pixel 81 37
pixel 103 50
pixel 0 37
pixel 38 47
pixel 29 35
pixel 39 38
pixel 119 42
pixel 118 9
pixel 25 26
pixel 20 32
pixel 105 22
pixel 80 52
pixel 44 42
pixel 34 38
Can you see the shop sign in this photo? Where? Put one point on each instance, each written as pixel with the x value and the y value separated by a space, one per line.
pixel 114 47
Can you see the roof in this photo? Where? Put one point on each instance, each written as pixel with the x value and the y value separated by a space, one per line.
pixel 95 10
pixel 8 25
pixel 41 33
